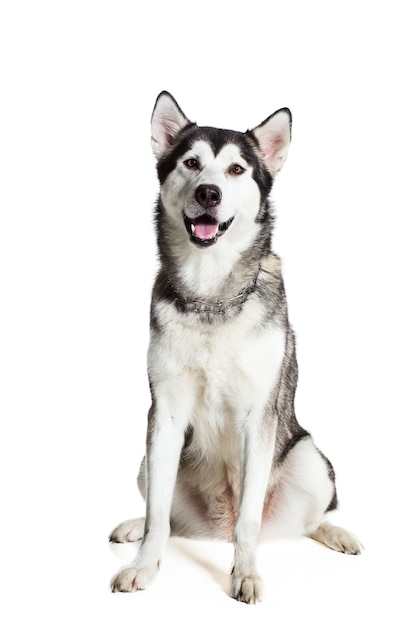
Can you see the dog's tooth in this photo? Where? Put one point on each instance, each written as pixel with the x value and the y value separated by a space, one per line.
pixel 192 229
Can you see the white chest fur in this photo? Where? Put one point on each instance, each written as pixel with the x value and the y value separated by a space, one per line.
pixel 214 375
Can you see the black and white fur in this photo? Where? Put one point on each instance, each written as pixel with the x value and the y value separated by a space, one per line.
pixel 226 458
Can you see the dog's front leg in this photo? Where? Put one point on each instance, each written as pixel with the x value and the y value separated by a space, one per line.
pixel 256 458
pixel 165 439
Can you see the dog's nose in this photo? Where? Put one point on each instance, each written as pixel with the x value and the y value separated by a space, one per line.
pixel 208 196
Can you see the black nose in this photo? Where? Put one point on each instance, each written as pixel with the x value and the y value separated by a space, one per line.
pixel 208 196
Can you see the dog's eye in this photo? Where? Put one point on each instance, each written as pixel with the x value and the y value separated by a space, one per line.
pixel 236 169
pixel 192 164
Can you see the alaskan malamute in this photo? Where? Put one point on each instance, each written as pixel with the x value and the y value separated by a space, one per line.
pixel 225 458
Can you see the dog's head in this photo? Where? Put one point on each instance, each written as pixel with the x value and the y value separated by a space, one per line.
pixel 216 181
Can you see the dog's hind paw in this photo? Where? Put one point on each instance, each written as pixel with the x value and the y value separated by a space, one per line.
pixel 247 589
pixel 131 530
pixel 337 538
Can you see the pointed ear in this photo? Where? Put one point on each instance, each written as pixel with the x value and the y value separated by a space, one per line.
pixel 274 136
pixel 167 121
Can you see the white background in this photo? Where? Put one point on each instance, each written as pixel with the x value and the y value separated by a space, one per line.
pixel 77 187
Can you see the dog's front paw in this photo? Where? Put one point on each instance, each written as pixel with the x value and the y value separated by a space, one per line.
pixel 247 589
pixel 133 579
pixel 131 530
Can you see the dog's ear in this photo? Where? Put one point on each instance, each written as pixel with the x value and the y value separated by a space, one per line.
pixel 274 136
pixel 167 121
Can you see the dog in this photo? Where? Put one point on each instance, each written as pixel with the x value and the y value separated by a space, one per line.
pixel 226 458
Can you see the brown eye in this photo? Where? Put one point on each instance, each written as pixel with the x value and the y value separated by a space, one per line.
pixel 192 164
pixel 236 169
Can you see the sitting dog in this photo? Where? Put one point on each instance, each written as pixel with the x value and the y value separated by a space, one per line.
pixel 225 456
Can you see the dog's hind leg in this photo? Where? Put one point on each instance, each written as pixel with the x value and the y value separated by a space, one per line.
pixel 130 530
pixel 304 493
pixel 336 538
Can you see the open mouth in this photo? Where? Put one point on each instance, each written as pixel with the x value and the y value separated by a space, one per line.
pixel 205 230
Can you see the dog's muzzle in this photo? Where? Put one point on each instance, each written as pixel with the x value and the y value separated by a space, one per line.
pixel 204 230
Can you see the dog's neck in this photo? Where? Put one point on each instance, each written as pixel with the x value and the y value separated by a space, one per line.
pixel 213 283
pixel 223 307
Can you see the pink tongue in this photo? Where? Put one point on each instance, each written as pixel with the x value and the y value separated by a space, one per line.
pixel 205 231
